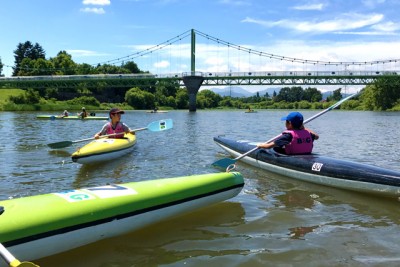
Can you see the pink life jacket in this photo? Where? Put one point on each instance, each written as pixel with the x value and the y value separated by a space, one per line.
pixel 118 129
pixel 302 142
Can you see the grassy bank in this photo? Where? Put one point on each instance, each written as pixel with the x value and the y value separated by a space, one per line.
pixel 6 93
pixel 50 105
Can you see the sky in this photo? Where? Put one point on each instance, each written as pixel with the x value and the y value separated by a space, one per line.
pixel 105 31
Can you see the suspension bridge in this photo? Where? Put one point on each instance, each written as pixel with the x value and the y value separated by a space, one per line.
pixel 258 68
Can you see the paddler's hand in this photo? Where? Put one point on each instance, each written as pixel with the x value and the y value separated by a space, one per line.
pixel 96 136
pixel 266 145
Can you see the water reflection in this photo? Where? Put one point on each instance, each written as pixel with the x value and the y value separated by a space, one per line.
pixel 164 243
pixel 274 221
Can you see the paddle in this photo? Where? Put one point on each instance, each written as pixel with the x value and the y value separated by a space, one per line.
pixel 155 126
pixel 9 258
pixel 12 261
pixel 226 162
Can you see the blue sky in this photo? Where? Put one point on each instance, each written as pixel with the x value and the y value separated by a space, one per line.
pixel 97 31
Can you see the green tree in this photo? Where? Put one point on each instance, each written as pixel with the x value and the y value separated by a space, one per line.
pixel 131 66
pixel 1 67
pixel 182 98
pixel 336 96
pixel 383 94
pixel 312 95
pixel 296 94
pixel 35 67
pixel 63 64
pixel 110 69
pixel 283 95
pixel 27 50
pixel 208 99
pixel 139 99
pixel 292 94
pixel 84 68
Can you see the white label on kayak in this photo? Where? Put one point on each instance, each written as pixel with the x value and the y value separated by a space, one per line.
pixel 75 195
pixel 106 191
pixel 111 191
pixel 317 167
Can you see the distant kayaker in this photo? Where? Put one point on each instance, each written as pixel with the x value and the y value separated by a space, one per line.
pixel 64 114
pixel 83 114
pixel 115 125
pixel 296 139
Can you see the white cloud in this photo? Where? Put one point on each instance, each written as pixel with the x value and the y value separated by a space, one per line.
pixel 235 2
pixel 97 2
pixel 343 23
pixel 386 27
pixel 372 3
pixel 95 10
pixel 84 53
pixel 162 64
pixel 310 7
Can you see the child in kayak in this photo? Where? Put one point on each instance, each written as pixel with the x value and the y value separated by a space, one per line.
pixel 115 126
pixel 296 139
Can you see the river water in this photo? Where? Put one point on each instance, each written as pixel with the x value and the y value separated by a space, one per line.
pixel 274 221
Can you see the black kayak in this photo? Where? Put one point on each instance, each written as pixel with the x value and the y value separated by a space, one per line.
pixel 317 169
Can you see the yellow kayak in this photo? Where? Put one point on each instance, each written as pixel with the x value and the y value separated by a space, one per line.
pixel 104 149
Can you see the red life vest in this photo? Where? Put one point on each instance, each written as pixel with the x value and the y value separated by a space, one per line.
pixel 118 129
pixel 302 142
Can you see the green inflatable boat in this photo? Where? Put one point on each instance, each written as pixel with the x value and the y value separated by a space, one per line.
pixel 55 117
pixel 38 226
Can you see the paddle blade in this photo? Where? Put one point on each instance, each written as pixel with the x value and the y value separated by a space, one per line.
pixel 61 144
pixel 162 125
pixel 23 264
pixel 224 163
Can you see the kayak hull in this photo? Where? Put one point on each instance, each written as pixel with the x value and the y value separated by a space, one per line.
pixel 39 226
pixel 53 117
pixel 318 169
pixel 104 149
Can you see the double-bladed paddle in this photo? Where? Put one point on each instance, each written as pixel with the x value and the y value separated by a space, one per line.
pixel 155 126
pixel 226 162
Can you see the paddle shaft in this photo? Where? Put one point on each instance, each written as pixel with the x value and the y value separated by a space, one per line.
pixel 11 260
pixel 108 135
pixel 6 255
pixel 305 122
pixel 154 126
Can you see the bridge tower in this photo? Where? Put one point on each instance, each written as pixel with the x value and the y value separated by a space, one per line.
pixel 193 80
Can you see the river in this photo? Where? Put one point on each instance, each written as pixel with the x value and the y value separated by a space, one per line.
pixel 274 221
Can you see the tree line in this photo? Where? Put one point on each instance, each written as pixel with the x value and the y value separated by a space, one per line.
pixel 30 60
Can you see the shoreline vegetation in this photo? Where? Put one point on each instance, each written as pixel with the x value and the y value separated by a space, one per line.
pixel 75 105
pixel 381 96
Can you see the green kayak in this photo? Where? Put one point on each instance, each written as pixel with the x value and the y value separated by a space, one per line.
pixel 55 117
pixel 39 226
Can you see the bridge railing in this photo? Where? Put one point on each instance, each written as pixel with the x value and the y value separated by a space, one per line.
pixel 203 74
pixel 300 73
